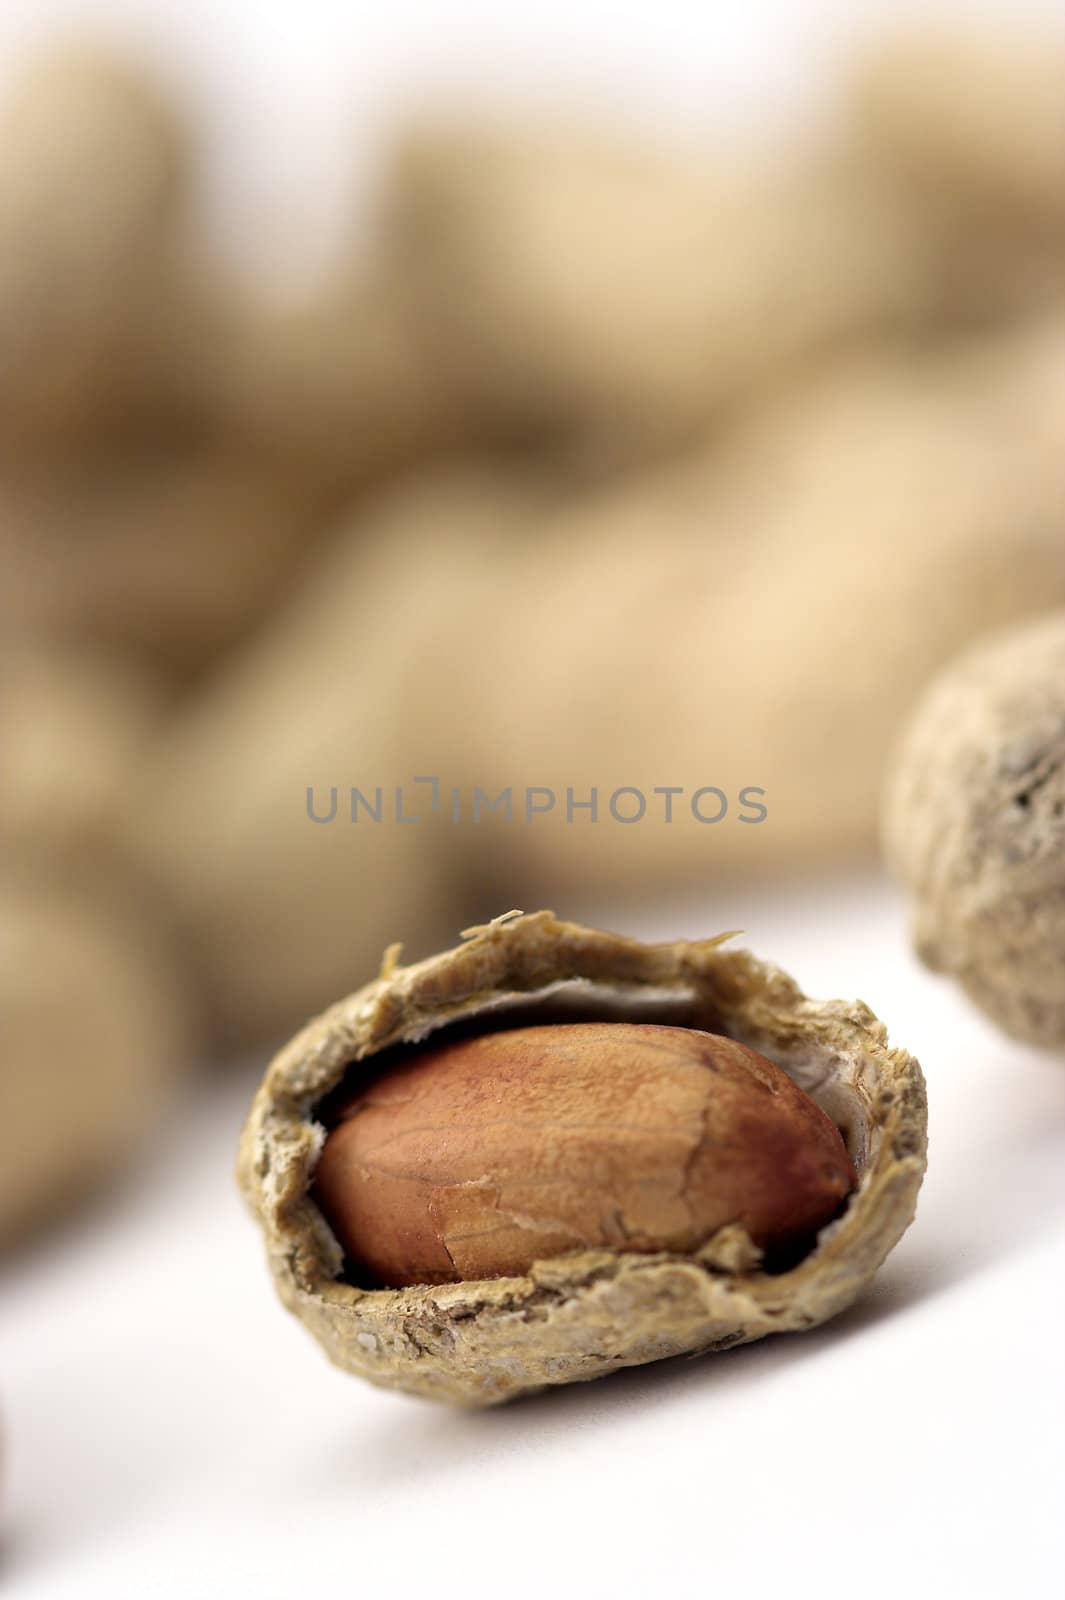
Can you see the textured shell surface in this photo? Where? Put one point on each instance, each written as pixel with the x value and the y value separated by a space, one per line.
pixel 974 826
pixel 581 1315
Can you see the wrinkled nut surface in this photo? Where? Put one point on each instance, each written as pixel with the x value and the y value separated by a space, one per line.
pixel 480 1157
pixel 587 1311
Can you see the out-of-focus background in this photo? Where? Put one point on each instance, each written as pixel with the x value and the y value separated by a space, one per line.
pixel 453 460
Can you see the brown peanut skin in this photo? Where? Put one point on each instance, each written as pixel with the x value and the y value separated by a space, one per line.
pixel 475 1158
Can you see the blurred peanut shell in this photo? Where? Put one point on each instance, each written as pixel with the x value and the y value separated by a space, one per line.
pixel 94 1032
pixel 974 115
pixel 584 1314
pixel 345 387
pixel 965 124
pixel 93 177
pixel 73 723
pixel 590 282
pixel 757 620
pixel 172 550
pixel 281 910
pixel 974 826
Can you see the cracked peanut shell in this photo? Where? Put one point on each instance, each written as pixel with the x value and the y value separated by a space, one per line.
pixel 581 1315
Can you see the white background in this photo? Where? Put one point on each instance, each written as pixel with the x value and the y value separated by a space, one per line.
pixel 169 1431
pixel 173 1432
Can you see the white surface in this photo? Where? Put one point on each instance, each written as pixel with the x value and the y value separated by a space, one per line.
pixel 172 1432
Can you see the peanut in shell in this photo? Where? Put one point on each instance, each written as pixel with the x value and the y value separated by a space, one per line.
pixel 580 1315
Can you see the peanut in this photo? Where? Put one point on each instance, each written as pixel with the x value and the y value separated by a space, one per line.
pixel 477 1157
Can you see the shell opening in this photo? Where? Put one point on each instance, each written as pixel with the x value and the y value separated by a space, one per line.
pixel 582 1000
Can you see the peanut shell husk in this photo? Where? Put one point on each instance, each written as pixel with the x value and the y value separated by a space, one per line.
pixel 582 1315
pixel 974 826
